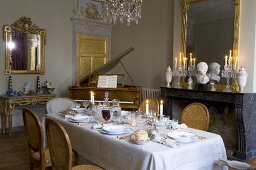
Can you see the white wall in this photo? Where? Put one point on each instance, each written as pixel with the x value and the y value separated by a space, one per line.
pixel 247 44
pixel 152 40
pixel 54 17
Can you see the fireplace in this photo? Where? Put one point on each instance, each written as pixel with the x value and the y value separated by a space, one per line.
pixel 236 115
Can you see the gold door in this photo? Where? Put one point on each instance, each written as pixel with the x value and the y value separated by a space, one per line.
pixel 92 53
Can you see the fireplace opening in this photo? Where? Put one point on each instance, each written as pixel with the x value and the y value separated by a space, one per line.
pixel 222 121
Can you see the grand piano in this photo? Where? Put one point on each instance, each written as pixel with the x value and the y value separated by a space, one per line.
pixel 129 95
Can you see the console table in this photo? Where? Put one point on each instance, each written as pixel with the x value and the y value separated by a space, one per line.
pixel 244 105
pixel 8 105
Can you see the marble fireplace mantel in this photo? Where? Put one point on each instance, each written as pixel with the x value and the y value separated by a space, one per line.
pixel 244 105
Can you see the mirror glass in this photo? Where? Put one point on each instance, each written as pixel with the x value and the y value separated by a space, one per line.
pixel 24 47
pixel 210 29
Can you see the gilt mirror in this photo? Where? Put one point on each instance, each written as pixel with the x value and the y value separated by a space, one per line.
pixel 25 47
pixel 210 29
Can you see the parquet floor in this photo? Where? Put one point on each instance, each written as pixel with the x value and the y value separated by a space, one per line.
pixel 14 152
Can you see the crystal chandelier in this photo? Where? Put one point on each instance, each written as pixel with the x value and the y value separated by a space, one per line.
pixel 123 10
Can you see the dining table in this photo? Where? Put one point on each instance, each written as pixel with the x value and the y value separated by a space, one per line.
pixel 119 152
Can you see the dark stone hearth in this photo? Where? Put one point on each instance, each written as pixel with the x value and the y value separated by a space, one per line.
pixel 243 106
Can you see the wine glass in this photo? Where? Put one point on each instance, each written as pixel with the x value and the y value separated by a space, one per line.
pixel 106 114
pixel 86 103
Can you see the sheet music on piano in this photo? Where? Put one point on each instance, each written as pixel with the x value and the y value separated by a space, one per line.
pixel 107 81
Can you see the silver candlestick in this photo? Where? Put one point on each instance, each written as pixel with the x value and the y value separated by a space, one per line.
pixel 179 71
pixel 228 72
pixel 191 72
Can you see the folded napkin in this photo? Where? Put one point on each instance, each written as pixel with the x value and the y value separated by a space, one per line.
pixel 170 143
pixel 167 142
pixel 177 126
pixel 182 126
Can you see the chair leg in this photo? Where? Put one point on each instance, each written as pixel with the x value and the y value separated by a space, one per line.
pixel 31 165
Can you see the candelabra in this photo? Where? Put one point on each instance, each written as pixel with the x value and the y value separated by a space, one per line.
pixel 190 72
pixel 228 72
pixel 179 71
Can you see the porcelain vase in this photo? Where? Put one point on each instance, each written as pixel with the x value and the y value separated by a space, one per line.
pixel 241 76
pixel 168 76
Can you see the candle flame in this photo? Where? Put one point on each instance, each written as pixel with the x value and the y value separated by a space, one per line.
pixel 161 102
pixel 147 101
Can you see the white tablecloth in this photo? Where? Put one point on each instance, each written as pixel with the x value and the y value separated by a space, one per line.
pixel 120 154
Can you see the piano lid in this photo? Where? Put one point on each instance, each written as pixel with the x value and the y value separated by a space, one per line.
pixel 108 66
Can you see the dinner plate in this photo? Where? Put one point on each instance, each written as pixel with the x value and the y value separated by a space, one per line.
pixel 182 136
pixel 114 128
pixel 79 109
pixel 81 119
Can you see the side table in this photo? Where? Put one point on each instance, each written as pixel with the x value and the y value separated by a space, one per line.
pixel 8 105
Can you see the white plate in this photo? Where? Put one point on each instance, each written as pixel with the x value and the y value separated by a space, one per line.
pixel 79 109
pixel 182 137
pixel 81 119
pixel 114 128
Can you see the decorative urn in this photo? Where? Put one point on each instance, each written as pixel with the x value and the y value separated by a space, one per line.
pixel 168 76
pixel 241 76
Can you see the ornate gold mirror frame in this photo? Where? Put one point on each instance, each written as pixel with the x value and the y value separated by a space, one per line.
pixel 33 48
pixel 185 9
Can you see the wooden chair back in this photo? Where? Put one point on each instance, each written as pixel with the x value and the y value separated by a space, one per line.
pixel 59 145
pixel 34 134
pixel 196 115
pixel 153 105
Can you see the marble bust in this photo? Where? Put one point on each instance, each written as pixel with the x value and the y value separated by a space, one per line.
pixel 214 71
pixel 201 77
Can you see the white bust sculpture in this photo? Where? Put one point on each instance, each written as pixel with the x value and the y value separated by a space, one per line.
pixel 201 77
pixel 214 71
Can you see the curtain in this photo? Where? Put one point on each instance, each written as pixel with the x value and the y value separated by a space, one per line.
pixel 19 53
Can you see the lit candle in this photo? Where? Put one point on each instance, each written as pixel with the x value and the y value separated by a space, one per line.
pixel 190 58
pixel 147 107
pixel 226 60
pixel 92 97
pixel 194 60
pixel 180 58
pixel 185 62
pixel 161 108
pixel 176 62
pixel 230 58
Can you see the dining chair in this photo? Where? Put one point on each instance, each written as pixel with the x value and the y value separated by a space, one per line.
pixel 153 105
pixel 39 157
pixel 57 105
pixel 196 115
pixel 236 165
pixel 61 149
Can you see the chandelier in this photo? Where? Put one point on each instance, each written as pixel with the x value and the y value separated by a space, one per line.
pixel 123 10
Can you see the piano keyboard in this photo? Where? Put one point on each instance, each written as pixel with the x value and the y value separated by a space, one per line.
pixel 102 101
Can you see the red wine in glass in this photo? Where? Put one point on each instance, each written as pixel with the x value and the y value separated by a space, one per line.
pixel 105 114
